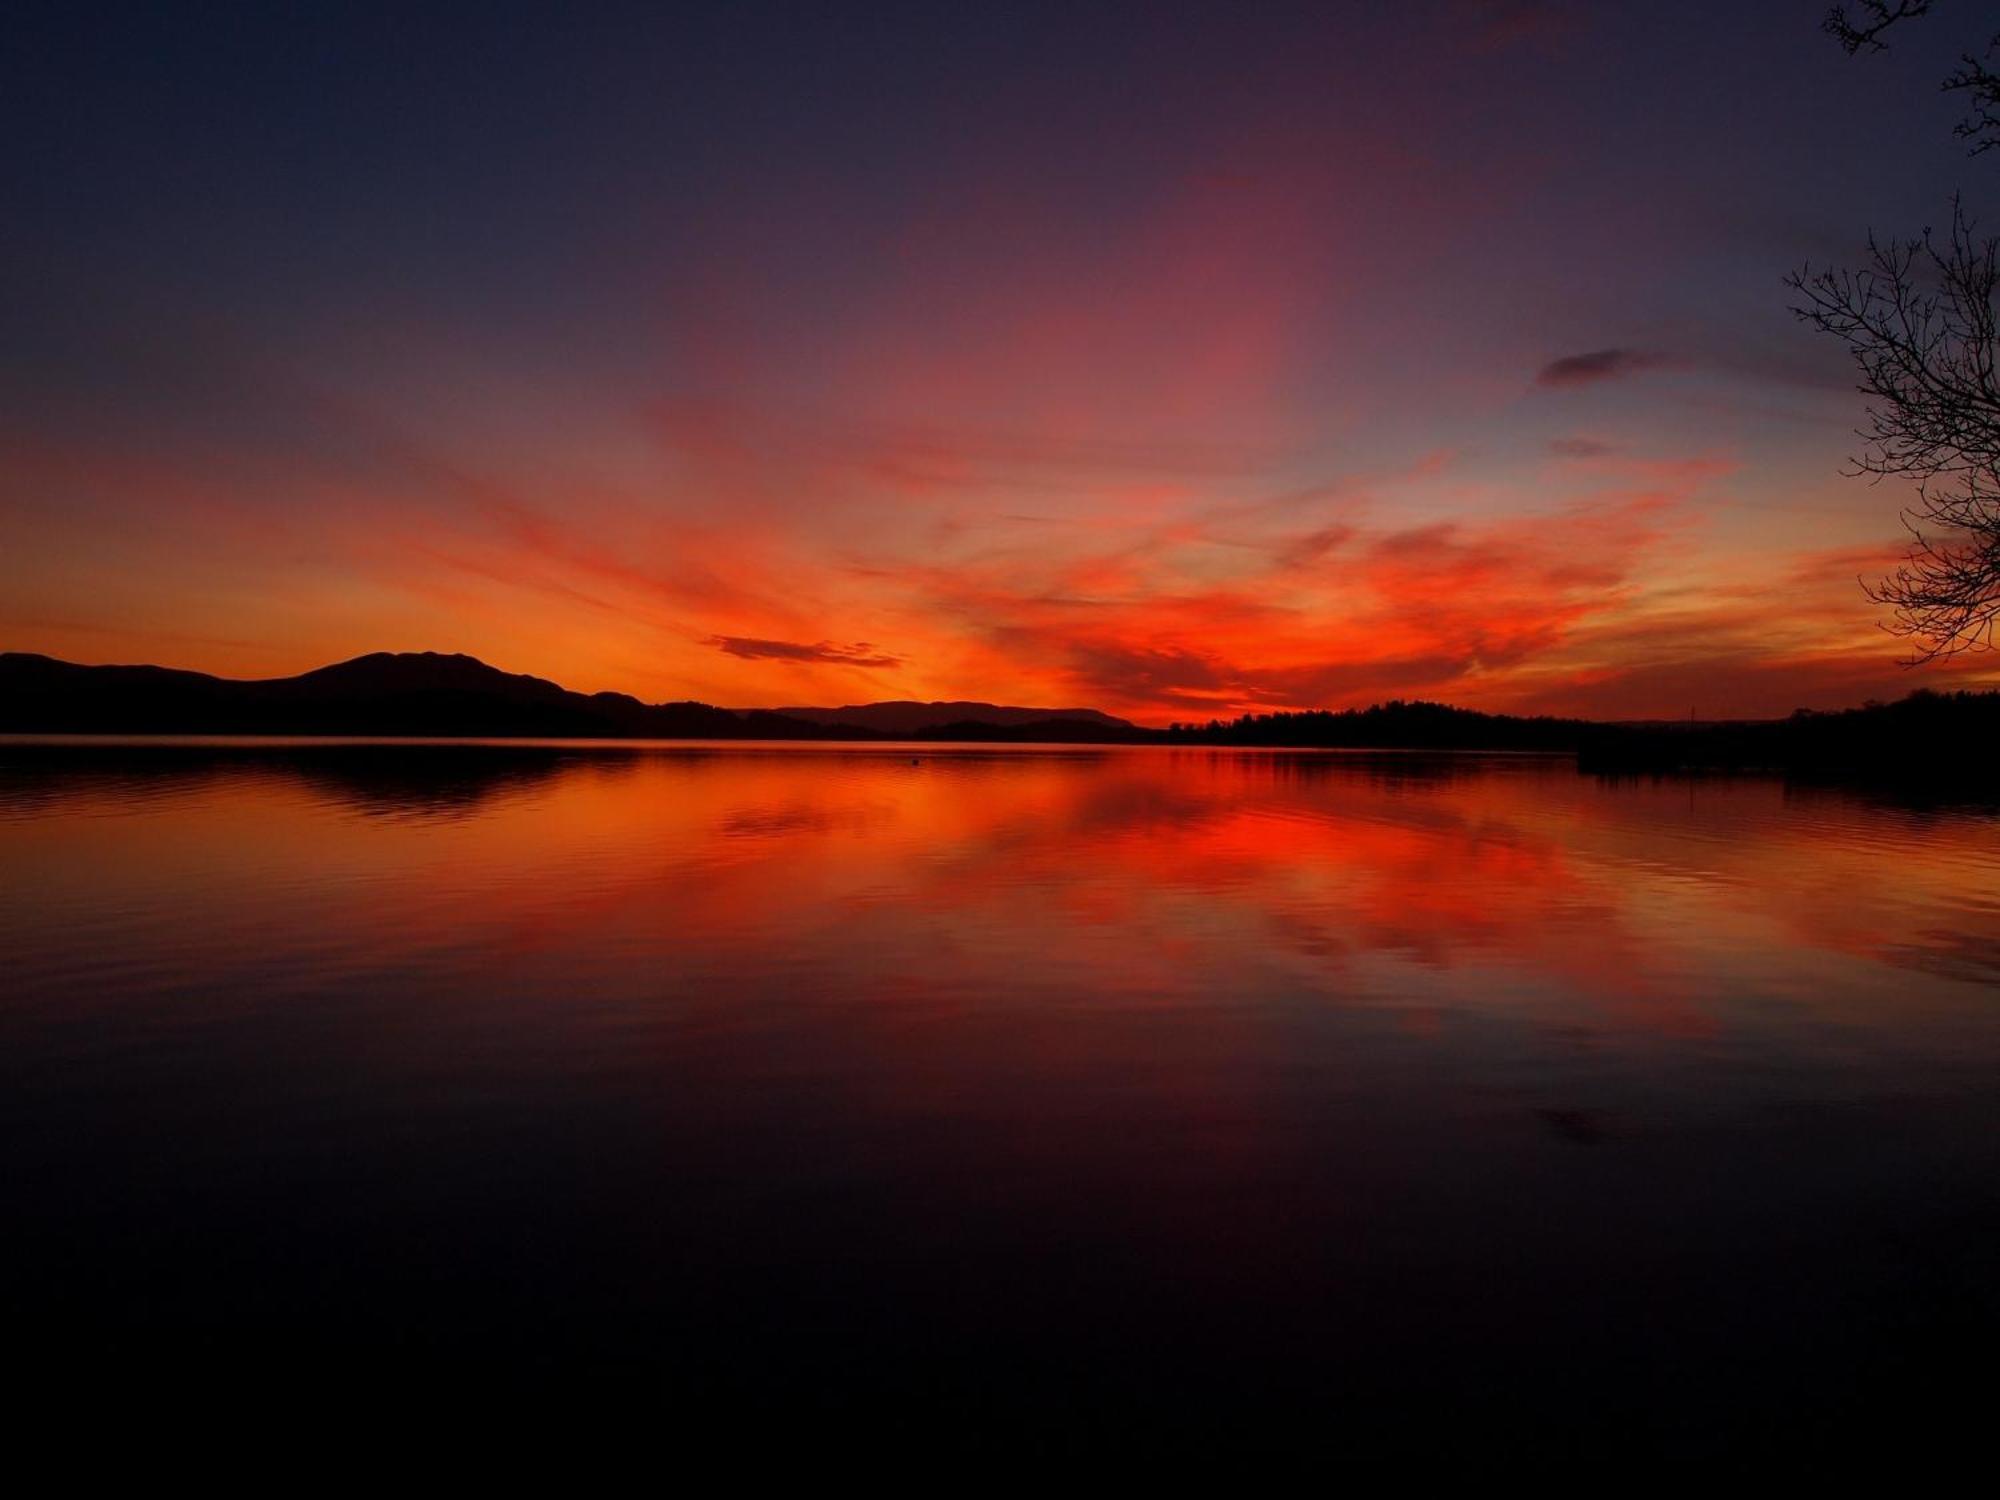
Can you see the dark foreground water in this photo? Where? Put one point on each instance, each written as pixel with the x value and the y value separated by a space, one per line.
pixel 1025 1098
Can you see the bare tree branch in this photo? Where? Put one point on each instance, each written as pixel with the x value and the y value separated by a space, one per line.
pixel 1981 86
pixel 1863 32
pixel 1920 320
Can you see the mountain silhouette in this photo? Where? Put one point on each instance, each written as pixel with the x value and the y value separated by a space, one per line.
pixel 401 693
pixel 426 694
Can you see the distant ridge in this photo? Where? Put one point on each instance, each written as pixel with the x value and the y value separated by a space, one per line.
pixel 387 693
pixel 426 694
pixel 904 716
pixel 1935 737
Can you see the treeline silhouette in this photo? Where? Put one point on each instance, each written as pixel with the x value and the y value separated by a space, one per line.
pixel 1925 735
pixel 1933 736
pixel 1395 725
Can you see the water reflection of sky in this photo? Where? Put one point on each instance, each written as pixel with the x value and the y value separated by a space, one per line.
pixel 1324 1042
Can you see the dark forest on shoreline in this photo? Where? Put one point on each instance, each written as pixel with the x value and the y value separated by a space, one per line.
pixel 1922 736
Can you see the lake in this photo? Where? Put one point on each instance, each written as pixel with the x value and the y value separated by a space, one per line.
pixel 1055 1095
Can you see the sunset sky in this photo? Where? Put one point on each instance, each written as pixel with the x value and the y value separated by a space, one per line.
pixel 1171 360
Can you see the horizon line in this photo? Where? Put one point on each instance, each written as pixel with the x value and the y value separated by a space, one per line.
pixel 1065 711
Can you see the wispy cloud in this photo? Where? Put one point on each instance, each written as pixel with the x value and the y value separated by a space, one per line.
pixel 1580 447
pixel 1597 364
pixel 859 654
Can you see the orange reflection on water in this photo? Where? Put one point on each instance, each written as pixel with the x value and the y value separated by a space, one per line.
pixel 834 1070
pixel 1107 878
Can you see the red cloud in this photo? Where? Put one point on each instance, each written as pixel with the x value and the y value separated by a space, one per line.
pixel 860 654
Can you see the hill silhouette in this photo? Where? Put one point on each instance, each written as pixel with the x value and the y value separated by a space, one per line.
pixel 388 693
pixel 428 695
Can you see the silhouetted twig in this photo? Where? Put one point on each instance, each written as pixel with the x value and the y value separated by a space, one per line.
pixel 1873 17
pixel 1919 319
pixel 1862 31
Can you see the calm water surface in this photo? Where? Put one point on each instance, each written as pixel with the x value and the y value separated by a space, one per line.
pixel 1043 1092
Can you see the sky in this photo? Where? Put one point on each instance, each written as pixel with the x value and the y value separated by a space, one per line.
pixel 1174 360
